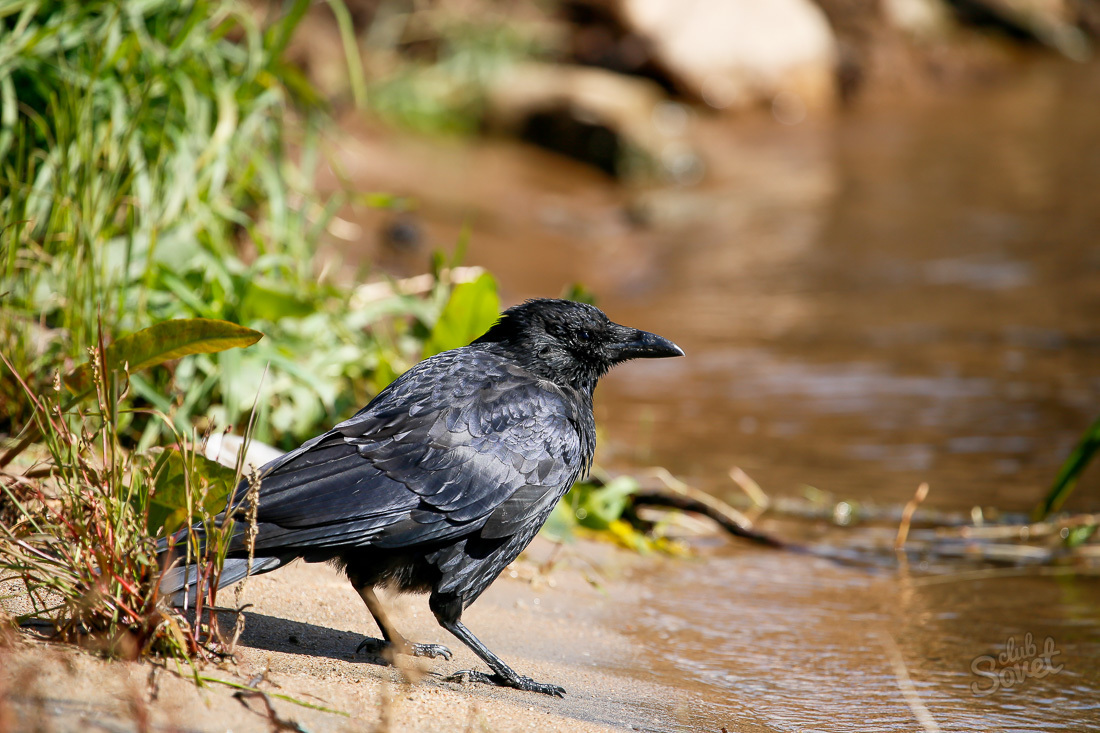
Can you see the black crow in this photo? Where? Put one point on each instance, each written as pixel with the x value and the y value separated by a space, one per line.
pixel 443 479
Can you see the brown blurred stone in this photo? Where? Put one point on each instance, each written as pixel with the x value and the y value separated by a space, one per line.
pixel 622 124
pixel 737 53
pixel 1050 22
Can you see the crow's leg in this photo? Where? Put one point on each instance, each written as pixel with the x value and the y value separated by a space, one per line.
pixel 504 676
pixel 394 642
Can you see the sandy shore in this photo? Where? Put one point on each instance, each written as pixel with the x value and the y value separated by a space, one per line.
pixel 567 627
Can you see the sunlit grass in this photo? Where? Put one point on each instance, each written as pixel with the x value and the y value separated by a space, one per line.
pixel 146 174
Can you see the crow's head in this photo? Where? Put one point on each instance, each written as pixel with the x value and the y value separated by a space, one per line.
pixel 571 343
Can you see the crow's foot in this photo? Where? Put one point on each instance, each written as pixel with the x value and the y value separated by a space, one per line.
pixel 385 649
pixel 372 646
pixel 519 683
pixel 432 651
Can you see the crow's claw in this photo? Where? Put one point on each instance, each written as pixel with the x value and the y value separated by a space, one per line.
pixel 520 683
pixel 380 648
pixel 372 646
pixel 432 651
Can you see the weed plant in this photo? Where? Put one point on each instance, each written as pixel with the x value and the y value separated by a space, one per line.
pixel 84 546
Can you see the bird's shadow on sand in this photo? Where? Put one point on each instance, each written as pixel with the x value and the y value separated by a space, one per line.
pixel 274 634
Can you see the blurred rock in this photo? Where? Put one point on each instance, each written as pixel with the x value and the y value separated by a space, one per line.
pixel 1051 22
pixel 402 232
pixel 874 44
pixel 224 447
pixel 919 19
pixel 622 125
pixel 599 36
pixel 1088 16
pixel 736 53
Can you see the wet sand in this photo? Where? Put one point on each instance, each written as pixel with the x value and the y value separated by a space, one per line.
pixel 570 627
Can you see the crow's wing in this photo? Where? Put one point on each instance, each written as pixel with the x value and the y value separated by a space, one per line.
pixel 462 439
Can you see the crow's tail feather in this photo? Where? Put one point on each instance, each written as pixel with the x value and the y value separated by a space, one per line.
pixel 180 584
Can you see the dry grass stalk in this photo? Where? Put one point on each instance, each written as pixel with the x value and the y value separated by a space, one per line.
pixel 7 713
pixel 750 487
pixel 385 709
pixel 907 515
pixel 253 501
pixel 139 710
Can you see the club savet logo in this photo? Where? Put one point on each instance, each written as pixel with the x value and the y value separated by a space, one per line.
pixel 1017 664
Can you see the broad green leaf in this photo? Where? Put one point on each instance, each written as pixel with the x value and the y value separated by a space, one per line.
pixel 164 342
pixel 211 483
pixel 1071 470
pixel 471 310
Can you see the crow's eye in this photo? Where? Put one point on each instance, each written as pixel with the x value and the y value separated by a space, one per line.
pixel 584 336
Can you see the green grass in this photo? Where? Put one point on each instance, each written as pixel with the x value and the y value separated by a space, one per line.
pixel 1072 468
pixel 146 175
pixel 429 69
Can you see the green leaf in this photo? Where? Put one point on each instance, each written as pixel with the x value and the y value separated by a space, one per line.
pixel 471 311
pixel 211 484
pixel 579 293
pixel 599 507
pixel 1071 470
pixel 164 342
pixel 559 526
pixel 1080 535
pixel 269 303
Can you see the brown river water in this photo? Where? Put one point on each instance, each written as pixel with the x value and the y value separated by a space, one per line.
pixel 908 292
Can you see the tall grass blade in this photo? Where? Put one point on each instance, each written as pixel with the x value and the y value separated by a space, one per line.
pixel 1066 480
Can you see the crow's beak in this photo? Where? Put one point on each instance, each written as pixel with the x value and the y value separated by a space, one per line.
pixel 644 345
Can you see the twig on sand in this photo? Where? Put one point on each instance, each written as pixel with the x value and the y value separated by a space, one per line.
pixel 288 698
pixel 277 723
